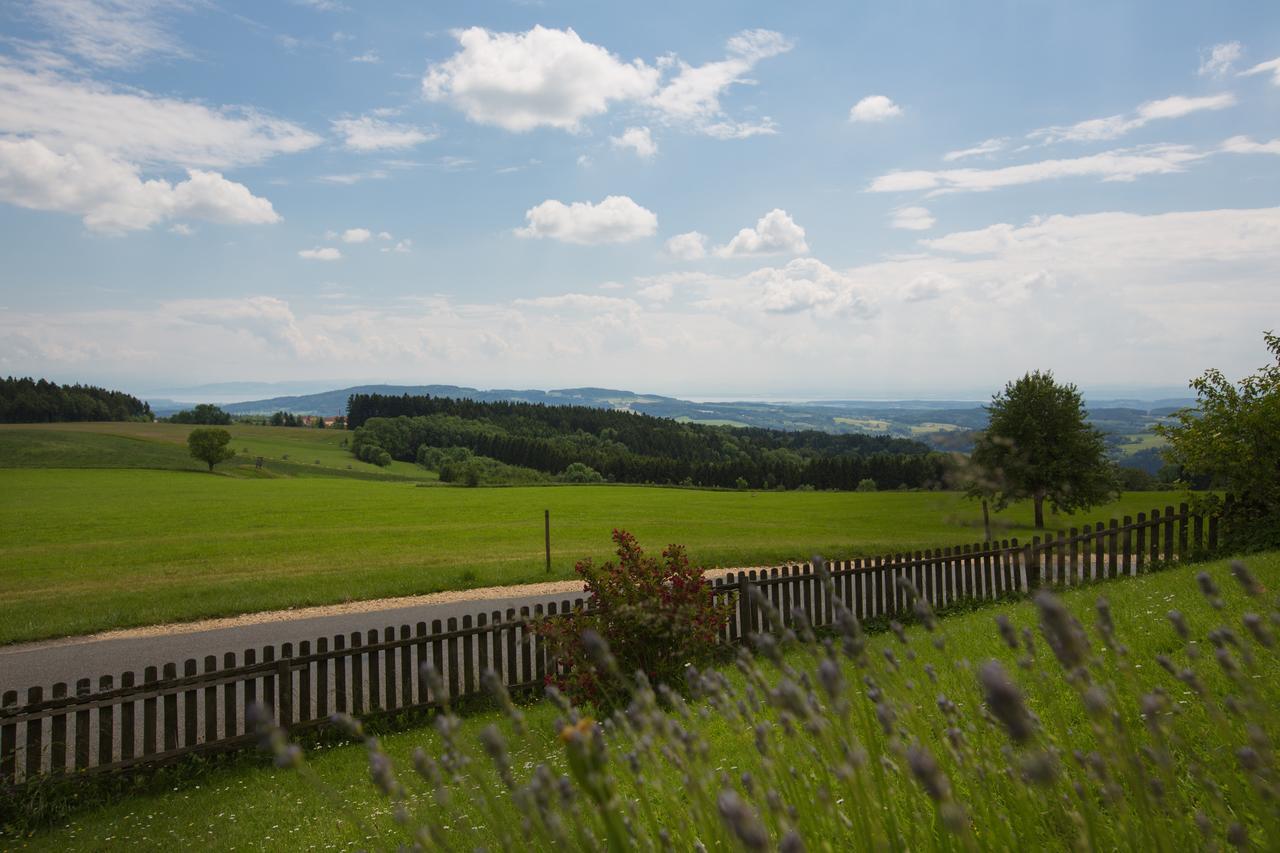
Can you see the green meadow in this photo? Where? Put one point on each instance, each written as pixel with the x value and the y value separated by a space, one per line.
pixel 1137 771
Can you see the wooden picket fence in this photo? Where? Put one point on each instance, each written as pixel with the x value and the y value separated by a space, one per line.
pixel 167 715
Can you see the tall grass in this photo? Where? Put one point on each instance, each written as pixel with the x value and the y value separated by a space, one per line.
pixel 1076 729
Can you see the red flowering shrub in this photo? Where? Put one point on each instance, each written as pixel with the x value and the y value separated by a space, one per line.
pixel 656 616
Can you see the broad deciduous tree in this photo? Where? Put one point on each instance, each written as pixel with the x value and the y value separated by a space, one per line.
pixel 1232 436
pixel 1040 446
pixel 209 445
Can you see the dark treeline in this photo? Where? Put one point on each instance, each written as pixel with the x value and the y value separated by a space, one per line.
pixel 31 401
pixel 634 448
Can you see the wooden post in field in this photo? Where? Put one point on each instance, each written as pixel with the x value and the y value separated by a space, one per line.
pixel 546 535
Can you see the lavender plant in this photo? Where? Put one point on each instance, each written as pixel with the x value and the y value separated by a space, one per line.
pixel 811 742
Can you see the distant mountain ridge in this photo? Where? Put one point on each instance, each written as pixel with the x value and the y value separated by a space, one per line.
pixel 945 424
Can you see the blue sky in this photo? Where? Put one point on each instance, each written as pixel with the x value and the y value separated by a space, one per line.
pixel 841 200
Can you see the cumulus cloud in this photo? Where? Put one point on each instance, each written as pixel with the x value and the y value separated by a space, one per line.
pixel 912 218
pixel 1124 164
pixel 774 233
pixel 402 247
pixel 540 78
pixel 1192 282
pixel 617 219
pixel 874 108
pixel 368 133
pixel 689 246
pixel 1111 127
pixel 356 235
pixel 1271 66
pixel 320 253
pixel 1219 59
pixel 138 127
pixel 553 78
pixel 639 140
pixel 111 196
pixel 989 146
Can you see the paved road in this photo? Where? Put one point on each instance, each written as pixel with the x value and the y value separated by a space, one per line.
pixel 44 664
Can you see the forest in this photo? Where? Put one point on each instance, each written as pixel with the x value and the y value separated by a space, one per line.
pixel 34 401
pixel 624 447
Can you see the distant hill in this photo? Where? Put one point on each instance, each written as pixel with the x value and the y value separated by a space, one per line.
pixel 943 424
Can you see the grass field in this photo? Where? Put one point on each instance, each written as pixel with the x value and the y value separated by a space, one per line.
pixel 255 808
pixel 286 451
pixel 87 550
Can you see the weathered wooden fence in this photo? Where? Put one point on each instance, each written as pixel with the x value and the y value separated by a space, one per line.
pixel 108 725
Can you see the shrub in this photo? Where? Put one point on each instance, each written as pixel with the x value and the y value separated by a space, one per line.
pixel 657 617
pixel 866 484
pixel 740 484
pixel 579 472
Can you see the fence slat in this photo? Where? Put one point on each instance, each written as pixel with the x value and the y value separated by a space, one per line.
pixel 210 702
pixel 304 683
pixel 437 657
pixel 357 675
pixel 284 685
pixel 230 725
pixel 35 739
pixel 420 632
pixel 1182 532
pixel 406 667
pixel 250 686
pixel 526 653
pixel 1155 536
pixel 9 741
pixel 127 719
pixel 389 668
pixel 375 675
pixel 322 679
pixel 58 734
pixel 269 683
pixel 1127 565
pixel 170 705
pixel 189 712
pixel 1113 536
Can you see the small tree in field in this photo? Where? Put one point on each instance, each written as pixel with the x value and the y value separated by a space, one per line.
pixel 1232 436
pixel 1039 445
pixel 210 445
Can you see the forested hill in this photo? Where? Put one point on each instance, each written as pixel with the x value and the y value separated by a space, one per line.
pixel 634 448
pixel 27 401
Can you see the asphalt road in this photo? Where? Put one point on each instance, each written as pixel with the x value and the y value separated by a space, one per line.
pixel 43 664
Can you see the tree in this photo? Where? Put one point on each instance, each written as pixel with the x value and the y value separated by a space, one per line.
pixel 866 484
pixel 204 413
pixel 209 445
pixel 1232 437
pixel 1039 445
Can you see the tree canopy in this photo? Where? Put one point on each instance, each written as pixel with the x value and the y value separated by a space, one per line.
pixel 1232 436
pixel 1039 445
pixel 204 413
pixel 26 400
pixel 210 445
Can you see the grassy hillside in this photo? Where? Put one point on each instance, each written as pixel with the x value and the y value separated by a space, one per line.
pixel 258 807
pixel 286 451
pixel 86 550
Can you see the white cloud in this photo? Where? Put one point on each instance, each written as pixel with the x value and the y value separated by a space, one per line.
pixel 989 146
pixel 370 57
pixel 111 196
pixel 617 219
pixel 689 246
pixel 552 78
pixel 638 139
pixel 774 233
pixel 325 253
pixel 349 178
pixel 1124 164
pixel 912 218
pixel 1181 291
pixel 138 127
pixel 181 229
pixel 874 108
pixel 367 133
pixel 356 235
pixel 1245 145
pixel 543 77
pixel 1271 66
pixel 401 247
pixel 112 33
pixel 692 96
pixel 384 235
pixel 1219 59
pixel 1111 127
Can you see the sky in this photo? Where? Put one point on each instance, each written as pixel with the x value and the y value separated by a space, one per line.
pixel 840 200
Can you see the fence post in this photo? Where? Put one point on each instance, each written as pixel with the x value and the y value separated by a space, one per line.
pixel 1031 561
pixel 744 606
pixel 284 687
